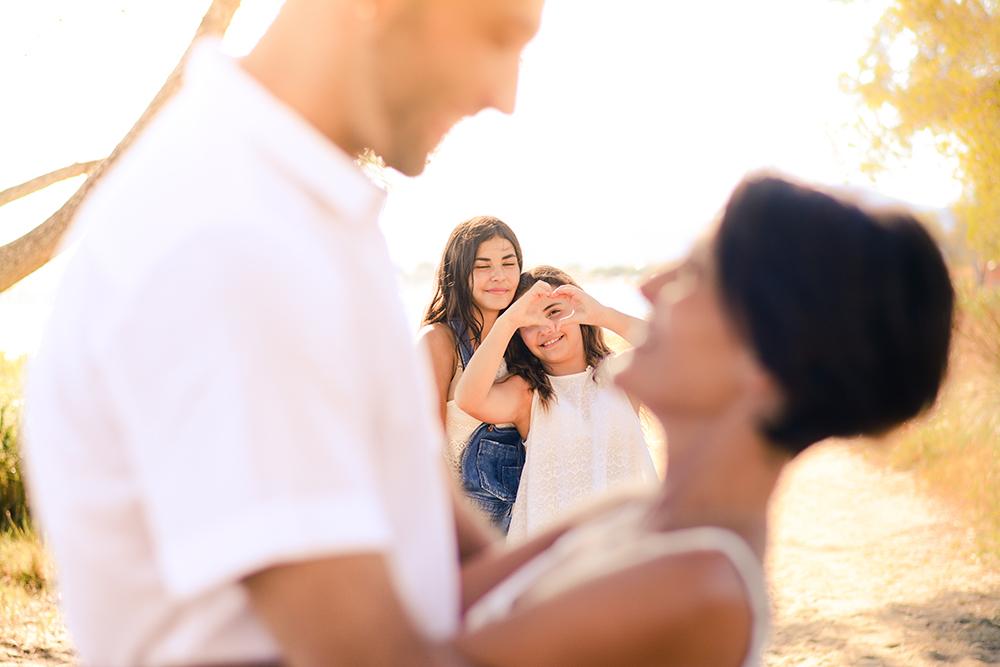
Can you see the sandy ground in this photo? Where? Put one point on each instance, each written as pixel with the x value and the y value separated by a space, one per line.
pixel 865 570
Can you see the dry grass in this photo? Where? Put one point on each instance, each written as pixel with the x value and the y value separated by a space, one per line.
pixel 955 449
pixel 31 629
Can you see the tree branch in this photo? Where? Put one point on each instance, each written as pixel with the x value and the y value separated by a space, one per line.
pixel 25 255
pixel 45 180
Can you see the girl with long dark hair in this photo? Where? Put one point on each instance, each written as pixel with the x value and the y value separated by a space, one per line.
pixel 476 280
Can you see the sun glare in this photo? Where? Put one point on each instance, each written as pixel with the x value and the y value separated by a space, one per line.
pixel 632 122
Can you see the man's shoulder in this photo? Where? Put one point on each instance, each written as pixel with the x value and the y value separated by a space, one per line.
pixel 171 196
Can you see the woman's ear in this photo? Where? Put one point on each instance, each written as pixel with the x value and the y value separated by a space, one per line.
pixel 759 386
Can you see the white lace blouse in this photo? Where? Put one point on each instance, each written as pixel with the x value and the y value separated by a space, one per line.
pixel 587 442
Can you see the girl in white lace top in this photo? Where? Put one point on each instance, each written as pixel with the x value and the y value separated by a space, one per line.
pixel 581 432
pixel 804 317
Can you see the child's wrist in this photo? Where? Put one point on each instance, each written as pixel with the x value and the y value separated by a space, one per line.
pixel 507 323
pixel 606 317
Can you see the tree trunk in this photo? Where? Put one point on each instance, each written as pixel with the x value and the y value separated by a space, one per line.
pixel 30 252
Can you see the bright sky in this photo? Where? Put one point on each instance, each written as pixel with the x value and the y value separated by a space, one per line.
pixel 634 120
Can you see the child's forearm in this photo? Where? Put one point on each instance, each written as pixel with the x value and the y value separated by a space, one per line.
pixel 632 329
pixel 478 377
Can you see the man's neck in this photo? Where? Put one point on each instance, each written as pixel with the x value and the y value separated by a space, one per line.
pixel 307 79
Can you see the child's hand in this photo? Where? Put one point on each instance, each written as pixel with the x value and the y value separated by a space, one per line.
pixel 584 309
pixel 529 309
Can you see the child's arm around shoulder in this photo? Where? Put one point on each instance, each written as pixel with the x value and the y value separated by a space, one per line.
pixel 477 392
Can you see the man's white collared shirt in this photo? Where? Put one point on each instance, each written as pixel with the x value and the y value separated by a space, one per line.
pixel 228 383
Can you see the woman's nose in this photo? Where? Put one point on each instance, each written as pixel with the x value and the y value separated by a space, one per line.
pixel 651 288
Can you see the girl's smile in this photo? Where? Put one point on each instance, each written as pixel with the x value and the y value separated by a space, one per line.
pixel 552 341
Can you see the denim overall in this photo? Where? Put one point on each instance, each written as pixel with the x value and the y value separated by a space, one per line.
pixel 492 459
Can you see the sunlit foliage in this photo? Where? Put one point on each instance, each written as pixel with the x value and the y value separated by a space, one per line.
pixel 933 66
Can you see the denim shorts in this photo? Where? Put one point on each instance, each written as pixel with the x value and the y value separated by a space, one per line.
pixel 491 471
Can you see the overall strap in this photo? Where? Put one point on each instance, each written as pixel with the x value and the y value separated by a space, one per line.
pixel 464 342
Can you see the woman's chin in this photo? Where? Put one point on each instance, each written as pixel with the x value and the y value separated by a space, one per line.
pixel 621 378
pixel 492 304
pixel 625 374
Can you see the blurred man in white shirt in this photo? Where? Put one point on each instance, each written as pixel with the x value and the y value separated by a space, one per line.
pixel 231 443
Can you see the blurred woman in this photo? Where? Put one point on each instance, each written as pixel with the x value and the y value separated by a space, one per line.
pixel 804 317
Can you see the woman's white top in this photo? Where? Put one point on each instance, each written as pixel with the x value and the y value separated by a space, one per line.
pixel 458 424
pixel 586 442
pixel 617 541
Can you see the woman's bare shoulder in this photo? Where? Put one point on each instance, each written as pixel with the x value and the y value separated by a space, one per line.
pixel 702 606
pixel 439 339
pixel 677 609
pixel 437 333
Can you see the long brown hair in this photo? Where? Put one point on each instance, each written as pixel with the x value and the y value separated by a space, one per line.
pixel 520 360
pixel 452 300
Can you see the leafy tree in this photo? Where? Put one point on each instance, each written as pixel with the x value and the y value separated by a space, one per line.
pixel 934 65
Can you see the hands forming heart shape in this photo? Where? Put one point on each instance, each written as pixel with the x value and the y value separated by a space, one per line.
pixel 536 307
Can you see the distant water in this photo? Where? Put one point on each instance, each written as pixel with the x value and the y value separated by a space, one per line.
pixel 23 314
pixel 619 293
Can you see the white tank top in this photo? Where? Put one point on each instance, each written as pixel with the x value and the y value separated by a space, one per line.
pixel 614 542
pixel 587 442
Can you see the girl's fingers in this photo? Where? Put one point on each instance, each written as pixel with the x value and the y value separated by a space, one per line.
pixel 571 293
pixel 574 317
pixel 541 288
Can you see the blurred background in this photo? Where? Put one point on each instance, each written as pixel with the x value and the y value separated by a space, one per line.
pixel 631 127
pixel 634 121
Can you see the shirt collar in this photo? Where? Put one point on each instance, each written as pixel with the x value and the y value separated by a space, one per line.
pixel 287 139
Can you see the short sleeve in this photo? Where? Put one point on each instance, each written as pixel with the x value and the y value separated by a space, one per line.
pixel 240 383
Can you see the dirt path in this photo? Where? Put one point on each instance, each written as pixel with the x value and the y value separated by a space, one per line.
pixel 866 570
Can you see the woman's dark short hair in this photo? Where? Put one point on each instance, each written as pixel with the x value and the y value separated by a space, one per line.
pixel 849 309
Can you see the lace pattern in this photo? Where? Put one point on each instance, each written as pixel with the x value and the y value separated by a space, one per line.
pixel 587 442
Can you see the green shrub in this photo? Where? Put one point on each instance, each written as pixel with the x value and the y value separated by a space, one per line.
pixel 13 504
